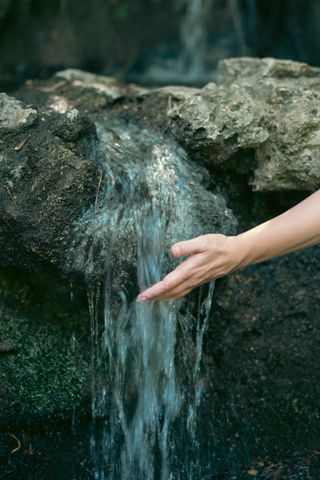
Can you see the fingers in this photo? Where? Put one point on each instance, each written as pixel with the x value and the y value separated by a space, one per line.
pixel 177 293
pixel 188 247
pixel 181 280
pixel 170 283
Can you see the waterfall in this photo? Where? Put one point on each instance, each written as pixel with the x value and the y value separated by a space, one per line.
pixel 195 64
pixel 193 35
pixel 146 358
pixel 189 66
pixel 238 27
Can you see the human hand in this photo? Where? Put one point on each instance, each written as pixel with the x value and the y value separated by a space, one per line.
pixel 209 257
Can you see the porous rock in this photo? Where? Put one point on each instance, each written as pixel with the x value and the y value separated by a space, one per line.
pixel 268 106
pixel 14 115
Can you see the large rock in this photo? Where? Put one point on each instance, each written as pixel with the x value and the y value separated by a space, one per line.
pixel 261 119
pixel 237 69
pixel 268 106
pixel 57 168
pixel 217 122
pixel 48 179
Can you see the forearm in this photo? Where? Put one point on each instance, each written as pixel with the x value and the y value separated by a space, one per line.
pixel 297 228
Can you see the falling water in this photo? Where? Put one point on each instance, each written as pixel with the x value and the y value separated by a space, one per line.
pixel 191 65
pixel 193 34
pixel 238 27
pixel 146 357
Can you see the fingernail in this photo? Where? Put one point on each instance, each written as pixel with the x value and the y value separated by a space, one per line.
pixel 141 299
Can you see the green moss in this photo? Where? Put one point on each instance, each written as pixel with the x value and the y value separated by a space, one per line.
pixel 46 370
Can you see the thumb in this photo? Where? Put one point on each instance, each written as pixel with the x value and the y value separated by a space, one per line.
pixel 188 247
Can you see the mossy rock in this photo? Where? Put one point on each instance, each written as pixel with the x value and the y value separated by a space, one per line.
pixel 44 355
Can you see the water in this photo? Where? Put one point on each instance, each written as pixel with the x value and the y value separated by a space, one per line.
pixel 238 28
pixel 146 358
pixel 196 62
pixel 193 35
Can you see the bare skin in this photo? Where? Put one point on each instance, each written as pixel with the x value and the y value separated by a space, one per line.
pixel 213 256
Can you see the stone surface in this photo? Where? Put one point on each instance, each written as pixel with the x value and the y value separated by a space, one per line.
pixel 48 178
pixel 270 107
pixel 44 348
pixel 57 169
pixel 104 88
pixel 14 115
pixel 290 158
pixel 217 122
pixel 233 70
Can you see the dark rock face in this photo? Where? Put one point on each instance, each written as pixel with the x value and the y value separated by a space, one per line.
pixel 46 158
pixel 44 348
pixel 263 350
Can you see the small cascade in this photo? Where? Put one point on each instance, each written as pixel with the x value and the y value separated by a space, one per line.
pixel 189 66
pixel 193 35
pixel 195 63
pixel 239 32
pixel 146 358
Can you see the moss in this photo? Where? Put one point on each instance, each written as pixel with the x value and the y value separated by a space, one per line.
pixel 46 370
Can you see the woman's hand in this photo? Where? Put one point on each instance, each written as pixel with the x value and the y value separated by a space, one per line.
pixel 213 256
pixel 209 257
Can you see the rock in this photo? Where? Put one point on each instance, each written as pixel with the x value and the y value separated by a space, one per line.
pixel 266 106
pixel 289 93
pixel 244 69
pixel 44 348
pixel 49 178
pixel 56 170
pixel 108 86
pixel 86 90
pixel 261 120
pixel 217 122
pixel 290 158
pixel 14 115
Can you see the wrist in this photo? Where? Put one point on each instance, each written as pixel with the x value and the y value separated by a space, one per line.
pixel 242 248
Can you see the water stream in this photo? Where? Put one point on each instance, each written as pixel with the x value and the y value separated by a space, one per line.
pixel 194 63
pixel 146 358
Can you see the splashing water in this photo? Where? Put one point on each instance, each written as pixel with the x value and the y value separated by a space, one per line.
pixel 146 358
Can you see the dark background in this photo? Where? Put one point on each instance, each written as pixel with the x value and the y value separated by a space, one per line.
pixel 125 37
